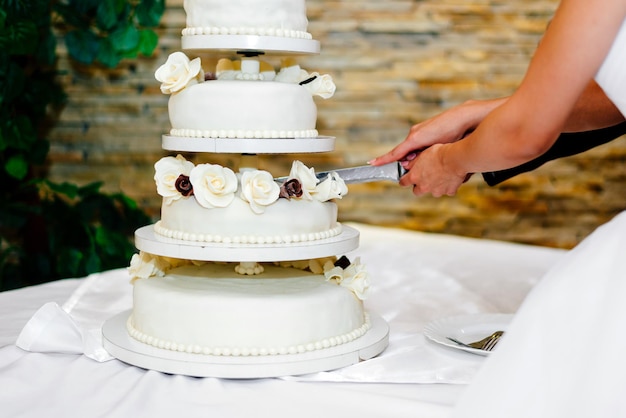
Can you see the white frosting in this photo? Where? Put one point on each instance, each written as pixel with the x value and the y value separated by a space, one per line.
pixel 243 109
pixel 210 309
pixel 285 18
pixel 285 221
pixel 220 206
pixel 248 99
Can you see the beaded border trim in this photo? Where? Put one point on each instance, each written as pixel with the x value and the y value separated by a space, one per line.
pixel 240 133
pixel 252 351
pixel 246 239
pixel 216 30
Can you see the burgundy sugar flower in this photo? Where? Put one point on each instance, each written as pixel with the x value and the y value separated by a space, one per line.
pixel 291 188
pixel 183 185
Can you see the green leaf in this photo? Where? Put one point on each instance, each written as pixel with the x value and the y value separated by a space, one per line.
pixel 11 91
pixel 39 151
pixel 4 144
pixel 107 14
pixel 125 38
pixel 24 131
pixel 46 52
pixel 17 167
pixel 22 38
pixel 71 16
pixel 92 263
pixel 91 188
pixel 82 45
pixel 84 7
pixel 107 55
pixel 3 17
pixel 69 262
pixel 148 41
pixel 149 12
pixel 66 189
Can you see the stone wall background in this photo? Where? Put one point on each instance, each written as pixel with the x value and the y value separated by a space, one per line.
pixel 395 63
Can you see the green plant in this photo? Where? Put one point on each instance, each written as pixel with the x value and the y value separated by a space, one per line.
pixel 50 231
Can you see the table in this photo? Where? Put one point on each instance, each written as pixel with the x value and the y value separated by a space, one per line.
pixel 416 278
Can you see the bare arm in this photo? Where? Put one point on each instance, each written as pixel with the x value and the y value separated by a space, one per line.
pixel 525 125
pixel 449 126
pixel 593 110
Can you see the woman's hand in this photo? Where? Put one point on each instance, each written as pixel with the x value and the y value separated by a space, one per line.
pixel 429 172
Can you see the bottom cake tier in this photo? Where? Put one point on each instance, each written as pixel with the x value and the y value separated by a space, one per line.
pixel 247 309
pixel 201 309
pixel 245 319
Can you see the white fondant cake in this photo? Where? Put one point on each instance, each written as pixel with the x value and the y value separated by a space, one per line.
pixel 210 203
pixel 285 18
pixel 247 100
pixel 252 111
pixel 209 308
pixel 247 308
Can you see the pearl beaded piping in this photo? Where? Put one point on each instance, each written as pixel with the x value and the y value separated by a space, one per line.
pixel 246 239
pixel 278 32
pixel 249 351
pixel 240 133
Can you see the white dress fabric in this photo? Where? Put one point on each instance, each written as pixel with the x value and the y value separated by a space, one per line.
pixel 564 354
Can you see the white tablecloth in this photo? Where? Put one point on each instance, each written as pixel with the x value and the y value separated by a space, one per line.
pixel 416 278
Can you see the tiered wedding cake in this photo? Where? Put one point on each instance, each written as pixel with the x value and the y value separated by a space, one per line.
pixel 241 275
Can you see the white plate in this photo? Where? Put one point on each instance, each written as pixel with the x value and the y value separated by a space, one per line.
pixel 147 240
pixel 249 145
pixel 467 329
pixel 251 43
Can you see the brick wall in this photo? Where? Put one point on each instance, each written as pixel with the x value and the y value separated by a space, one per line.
pixel 395 63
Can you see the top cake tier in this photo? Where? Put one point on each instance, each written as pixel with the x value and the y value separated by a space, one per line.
pixel 248 25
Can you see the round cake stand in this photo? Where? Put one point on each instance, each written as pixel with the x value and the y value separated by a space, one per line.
pixel 249 145
pixel 147 240
pixel 122 346
pixel 251 43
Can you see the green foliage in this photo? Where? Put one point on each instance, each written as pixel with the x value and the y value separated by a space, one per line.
pixel 108 31
pixel 51 231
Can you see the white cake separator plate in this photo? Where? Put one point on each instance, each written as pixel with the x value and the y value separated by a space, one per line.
pixel 122 346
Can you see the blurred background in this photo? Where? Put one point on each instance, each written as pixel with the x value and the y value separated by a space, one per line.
pixel 395 63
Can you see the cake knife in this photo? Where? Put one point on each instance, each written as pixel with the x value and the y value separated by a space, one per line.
pixel 362 174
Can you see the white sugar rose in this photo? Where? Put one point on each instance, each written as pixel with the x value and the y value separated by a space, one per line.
pixel 334 274
pixel 145 265
pixel 178 72
pixel 214 186
pixel 321 85
pixel 290 74
pixel 332 187
pixel 355 278
pixel 259 189
pixel 167 171
pixel 307 178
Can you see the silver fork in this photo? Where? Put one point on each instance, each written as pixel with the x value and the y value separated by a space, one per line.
pixel 486 344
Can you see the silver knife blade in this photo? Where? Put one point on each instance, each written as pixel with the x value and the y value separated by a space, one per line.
pixel 363 174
